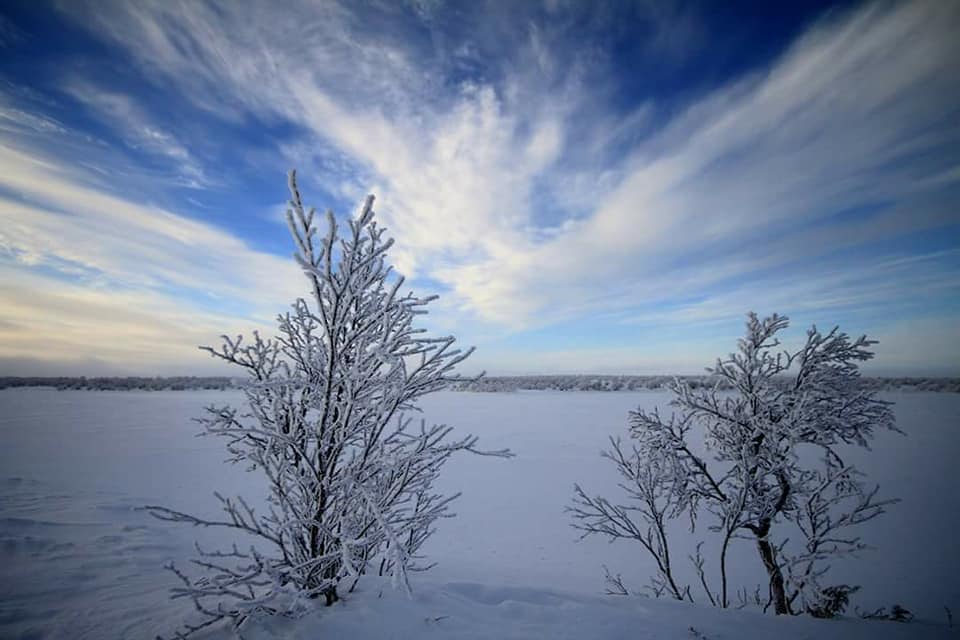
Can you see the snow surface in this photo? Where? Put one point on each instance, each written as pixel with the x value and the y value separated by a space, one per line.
pixel 471 611
pixel 80 562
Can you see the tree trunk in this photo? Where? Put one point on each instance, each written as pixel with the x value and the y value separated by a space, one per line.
pixel 777 589
pixel 331 596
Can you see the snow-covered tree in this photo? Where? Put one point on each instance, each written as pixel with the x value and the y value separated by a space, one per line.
pixel 328 423
pixel 773 468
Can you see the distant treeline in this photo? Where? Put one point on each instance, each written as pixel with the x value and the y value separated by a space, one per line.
pixel 638 383
pixel 176 383
pixel 485 384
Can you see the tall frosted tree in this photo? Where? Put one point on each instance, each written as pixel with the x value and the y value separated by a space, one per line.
pixel 328 423
pixel 776 427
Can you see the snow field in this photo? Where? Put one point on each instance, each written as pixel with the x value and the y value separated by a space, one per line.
pixel 81 562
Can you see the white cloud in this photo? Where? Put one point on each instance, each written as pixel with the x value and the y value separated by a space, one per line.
pixel 528 197
pixel 134 243
pixel 129 331
pixel 121 113
pixel 832 124
pixel 15 120
pixel 822 292
pixel 87 274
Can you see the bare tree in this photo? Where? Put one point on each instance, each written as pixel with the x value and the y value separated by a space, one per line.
pixel 774 425
pixel 328 424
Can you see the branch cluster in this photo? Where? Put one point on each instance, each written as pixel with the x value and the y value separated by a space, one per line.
pixel 328 424
pixel 768 415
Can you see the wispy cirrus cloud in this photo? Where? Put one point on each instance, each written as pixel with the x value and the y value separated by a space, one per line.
pixel 90 277
pixel 517 178
pixel 857 112
pixel 134 243
pixel 51 326
pixel 121 113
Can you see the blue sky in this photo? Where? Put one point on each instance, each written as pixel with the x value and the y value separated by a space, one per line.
pixel 590 187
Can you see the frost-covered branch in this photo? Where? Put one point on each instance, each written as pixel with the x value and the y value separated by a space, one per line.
pixel 766 407
pixel 326 425
pixel 652 502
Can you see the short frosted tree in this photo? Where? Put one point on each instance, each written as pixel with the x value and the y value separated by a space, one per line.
pixel 771 468
pixel 328 423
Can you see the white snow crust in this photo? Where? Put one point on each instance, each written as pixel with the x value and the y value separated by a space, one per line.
pixel 79 561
